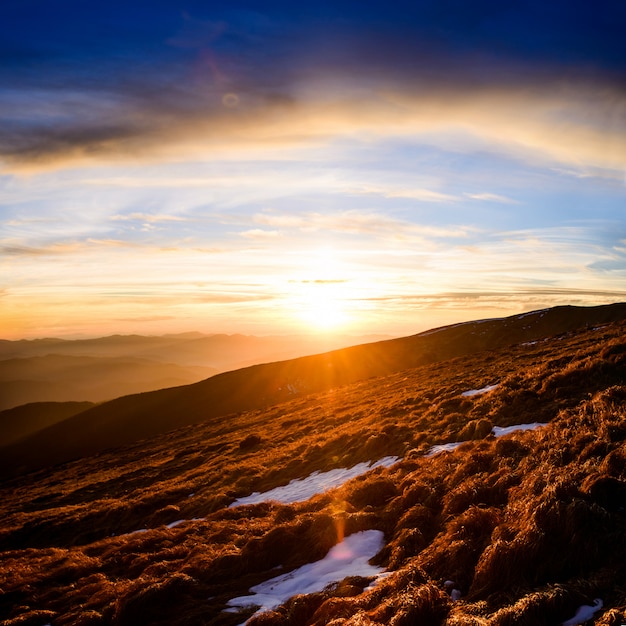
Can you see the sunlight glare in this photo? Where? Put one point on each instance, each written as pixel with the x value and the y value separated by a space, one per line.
pixel 321 298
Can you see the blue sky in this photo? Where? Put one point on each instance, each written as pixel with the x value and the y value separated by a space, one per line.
pixel 272 168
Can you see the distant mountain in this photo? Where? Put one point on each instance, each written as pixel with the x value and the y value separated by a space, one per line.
pixel 62 378
pixel 95 370
pixel 220 352
pixel 134 417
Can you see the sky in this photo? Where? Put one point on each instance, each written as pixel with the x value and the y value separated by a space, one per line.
pixel 277 168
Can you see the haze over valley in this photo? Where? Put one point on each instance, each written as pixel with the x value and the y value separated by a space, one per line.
pixel 56 370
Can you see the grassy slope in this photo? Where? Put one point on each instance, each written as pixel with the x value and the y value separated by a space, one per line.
pixel 134 417
pixel 528 526
pixel 22 421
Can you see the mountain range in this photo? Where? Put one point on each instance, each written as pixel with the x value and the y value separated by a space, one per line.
pixel 129 418
pixel 95 370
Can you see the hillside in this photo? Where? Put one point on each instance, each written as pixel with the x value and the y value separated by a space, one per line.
pixel 26 419
pixel 96 370
pixel 500 527
pixel 135 417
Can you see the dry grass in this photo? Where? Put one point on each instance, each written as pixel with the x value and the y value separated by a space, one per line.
pixel 528 527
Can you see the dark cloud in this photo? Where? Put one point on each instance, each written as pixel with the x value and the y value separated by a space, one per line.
pixel 465 299
pixel 23 251
pixel 114 76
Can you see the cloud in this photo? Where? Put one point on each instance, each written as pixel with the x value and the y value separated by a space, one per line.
pixel 8 248
pixel 422 195
pixel 147 217
pixel 147 318
pixel 19 250
pixel 25 251
pixel 322 281
pixel 111 243
pixel 143 182
pixel 576 124
pixel 258 233
pixel 227 298
pixel 501 297
pixel 354 222
pixel 28 221
pixel 491 197
pixel 585 172
pixel 180 85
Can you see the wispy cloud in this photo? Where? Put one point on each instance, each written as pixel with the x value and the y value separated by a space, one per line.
pixel 30 221
pixel 146 318
pixel 147 217
pixel 573 125
pixel 258 233
pixel 422 195
pixel 491 197
pixel 63 247
pixel 356 222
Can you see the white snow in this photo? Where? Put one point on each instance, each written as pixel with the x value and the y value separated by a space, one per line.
pixel 182 521
pixel 176 523
pixel 348 558
pixel 584 613
pixel 500 431
pixel 301 489
pixel 444 447
pixel 455 594
pixel 478 392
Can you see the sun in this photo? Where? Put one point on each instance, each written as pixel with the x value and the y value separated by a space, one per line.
pixel 320 297
pixel 323 309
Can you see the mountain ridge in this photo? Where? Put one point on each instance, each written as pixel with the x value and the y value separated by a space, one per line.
pixel 135 417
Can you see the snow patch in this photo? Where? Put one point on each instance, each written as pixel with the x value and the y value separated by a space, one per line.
pixel 444 447
pixel 301 489
pixel 478 392
pixel 500 431
pixel 584 613
pixel 348 558
pixel 497 431
pixel 176 523
pixel 183 521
